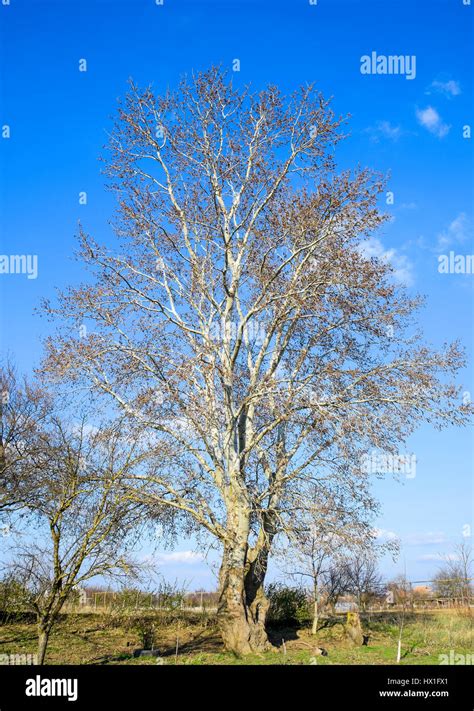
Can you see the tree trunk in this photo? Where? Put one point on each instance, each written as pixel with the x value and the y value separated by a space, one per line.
pixel 233 618
pixel 43 638
pixel 256 600
pixel 314 628
pixel 242 604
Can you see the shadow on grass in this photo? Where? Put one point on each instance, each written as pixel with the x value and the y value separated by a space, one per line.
pixel 280 634
pixel 203 643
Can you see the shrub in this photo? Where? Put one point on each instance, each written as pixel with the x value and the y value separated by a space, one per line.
pixel 287 605
pixel 145 627
pixel 13 595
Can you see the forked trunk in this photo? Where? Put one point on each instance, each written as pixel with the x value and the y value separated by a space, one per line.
pixel 242 606
pixel 241 622
pixel 255 598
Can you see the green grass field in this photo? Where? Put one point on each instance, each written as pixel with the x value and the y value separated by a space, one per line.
pixel 110 639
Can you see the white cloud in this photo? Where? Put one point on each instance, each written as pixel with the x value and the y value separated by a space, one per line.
pixel 425 539
pixel 384 129
pixel 385 534
pixel 401 265
pixel 438 557
pixel 457 232
pixel 448 88
pixel 430 119
pixel 187 557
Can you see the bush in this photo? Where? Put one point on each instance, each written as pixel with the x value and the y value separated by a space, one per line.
pixel 287 605
pixel 171 596
pixel 145 627
pixel 13 595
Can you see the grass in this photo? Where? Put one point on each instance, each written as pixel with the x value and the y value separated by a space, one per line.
pixel 109 639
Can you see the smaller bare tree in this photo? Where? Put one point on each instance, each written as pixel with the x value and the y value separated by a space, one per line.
pixel 329 528
pixel 362 578
pixel 403 597
pixel 309 559
pixel 453 579
pixel 334 584
pixel 400 589
pixel 24 406
pixel 84 521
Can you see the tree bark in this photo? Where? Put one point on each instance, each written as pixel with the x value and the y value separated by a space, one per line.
pixel 233 615
pixel 255 599
pixel 243 605
pixel 314 628
pixel 43 638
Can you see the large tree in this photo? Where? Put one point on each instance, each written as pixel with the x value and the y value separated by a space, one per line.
pixel 238 318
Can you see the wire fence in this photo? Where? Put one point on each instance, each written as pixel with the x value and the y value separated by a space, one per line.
pixel 203 601
pixel 200 601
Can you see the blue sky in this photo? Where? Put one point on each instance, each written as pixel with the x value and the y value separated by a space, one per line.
pixel 58 118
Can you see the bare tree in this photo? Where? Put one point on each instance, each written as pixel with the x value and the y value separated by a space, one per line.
pixel 334 583
pixel 463 552
pixel 23 408
pixel 453 580
pixel 324 533
pixel 241 320
pixel 80 518
pixel 401 589
pixel 403 597
pixel 362 578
